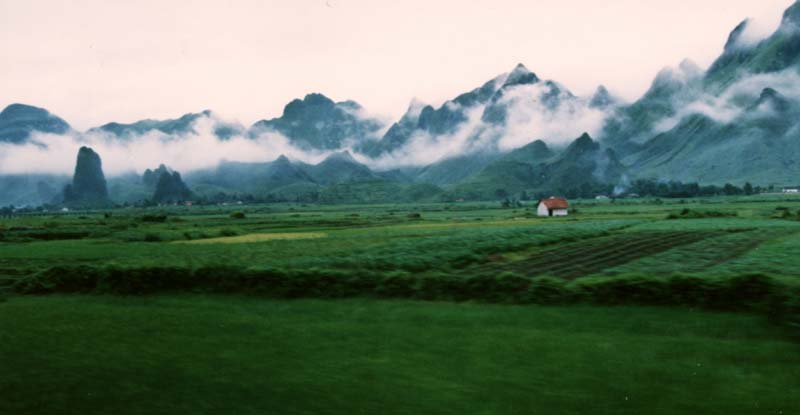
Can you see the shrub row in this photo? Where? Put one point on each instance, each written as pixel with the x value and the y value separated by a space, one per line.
pixel 753 292
pixel 694 214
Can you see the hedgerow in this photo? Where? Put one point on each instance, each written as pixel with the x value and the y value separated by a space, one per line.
pixel 775 297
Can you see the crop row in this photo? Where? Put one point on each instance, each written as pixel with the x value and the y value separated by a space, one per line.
pixel 581 258
pixel 701 255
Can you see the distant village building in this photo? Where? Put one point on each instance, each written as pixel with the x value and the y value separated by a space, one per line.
pixel 553 206
pixel 791 190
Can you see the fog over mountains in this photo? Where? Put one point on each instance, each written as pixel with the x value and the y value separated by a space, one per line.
pixel 737 121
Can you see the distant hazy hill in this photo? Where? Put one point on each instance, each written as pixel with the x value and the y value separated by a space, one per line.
pixel 584 168
pixel 318 123
pixel 179 126
pixel 340 168
pixel 170 188
pixel 255 178
pixel 31 189
pixel 455 169
pixel 18 121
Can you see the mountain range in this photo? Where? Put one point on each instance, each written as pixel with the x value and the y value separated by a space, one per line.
pixel 737 121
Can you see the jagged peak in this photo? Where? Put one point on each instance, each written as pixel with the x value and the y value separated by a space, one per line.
pixel 520 75
pixel 585 141
pixel 792 14
pixel 415 106
pixel 774 99
pixel 602 90
pixel 413 111
pixel 427 110
pixel 520 68
pixel 687 71
pixel 313 99
pixel 580 145
pixel 554 85
pixel 736 35
pixel 601 98
pixel 690 67
pixel 536 150
pixel 317 98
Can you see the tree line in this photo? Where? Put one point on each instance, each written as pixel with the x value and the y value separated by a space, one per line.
pixel 651 187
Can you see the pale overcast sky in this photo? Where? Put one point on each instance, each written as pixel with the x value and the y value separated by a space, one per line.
pixel 95 61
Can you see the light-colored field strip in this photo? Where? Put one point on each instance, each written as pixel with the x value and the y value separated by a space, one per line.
pixel 256 237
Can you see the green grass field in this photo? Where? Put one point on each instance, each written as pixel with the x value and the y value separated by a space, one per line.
pixel 201 354
pixel 601 239
pixel 216 332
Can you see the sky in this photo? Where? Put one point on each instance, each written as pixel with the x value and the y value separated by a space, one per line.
pixel 96 61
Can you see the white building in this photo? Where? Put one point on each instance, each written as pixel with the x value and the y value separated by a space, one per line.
pixel 791 190
pixel 554 206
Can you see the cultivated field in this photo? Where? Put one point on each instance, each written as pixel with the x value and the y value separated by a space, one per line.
pixel 722 236
pixel 446 308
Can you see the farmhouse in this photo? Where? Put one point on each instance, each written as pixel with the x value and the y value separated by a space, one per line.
pixel 554 206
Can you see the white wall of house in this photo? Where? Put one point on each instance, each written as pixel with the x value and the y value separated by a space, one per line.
pixel 542 210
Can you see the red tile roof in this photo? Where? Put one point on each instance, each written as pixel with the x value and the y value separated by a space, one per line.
pixel 555 203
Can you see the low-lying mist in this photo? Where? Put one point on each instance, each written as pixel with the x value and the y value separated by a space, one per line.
pixel 200 149
pixel 736 100
pixel 527 120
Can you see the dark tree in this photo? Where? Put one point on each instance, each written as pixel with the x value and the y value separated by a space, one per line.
pixel 731 190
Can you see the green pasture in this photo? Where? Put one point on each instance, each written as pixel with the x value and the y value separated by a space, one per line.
pixel 235 355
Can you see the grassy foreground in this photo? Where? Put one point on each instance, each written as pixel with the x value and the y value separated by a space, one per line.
pixel 227 354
